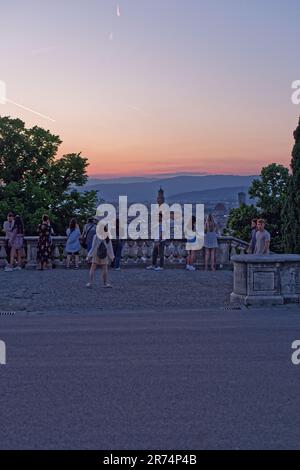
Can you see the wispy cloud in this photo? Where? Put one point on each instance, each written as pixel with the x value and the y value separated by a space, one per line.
pixel 139 110
pixel 43 50
pixel 111 36
pixel 118 10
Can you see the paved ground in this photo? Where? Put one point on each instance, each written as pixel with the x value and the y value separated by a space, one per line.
pixel 134 289
pixel 148 378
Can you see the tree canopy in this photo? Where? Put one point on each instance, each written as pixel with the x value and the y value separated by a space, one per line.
pixel 291 209
pixel 269 192
pixel 34 181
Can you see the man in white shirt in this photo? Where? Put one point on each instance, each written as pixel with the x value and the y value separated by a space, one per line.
pixel 263 238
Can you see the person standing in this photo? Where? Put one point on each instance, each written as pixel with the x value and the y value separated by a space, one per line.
pixel 44 243
pixel 7 229
pixel 190 242
pixel 158 249
pixel 210 242
pixel 16 243
pixel 73 246
pixel 101 254
pixel 118 245
pixel 263 239
pixel 253 236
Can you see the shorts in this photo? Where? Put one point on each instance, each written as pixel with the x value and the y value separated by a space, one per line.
pixel 100 261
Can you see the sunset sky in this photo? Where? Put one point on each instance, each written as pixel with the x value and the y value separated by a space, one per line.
pixel 156 86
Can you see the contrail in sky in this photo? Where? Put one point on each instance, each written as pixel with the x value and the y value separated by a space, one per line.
pixel 118 11
pixel 4 100
pixel 30 110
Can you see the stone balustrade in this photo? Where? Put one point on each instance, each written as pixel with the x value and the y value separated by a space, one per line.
pixel 135 253
pixel 266 279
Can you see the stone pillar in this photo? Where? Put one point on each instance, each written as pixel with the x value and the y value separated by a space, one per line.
pixel 31 243
pixel 266 279
pixel 3 261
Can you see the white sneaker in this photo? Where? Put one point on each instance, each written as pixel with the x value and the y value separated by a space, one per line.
pixel 192 268
pixel 17 268
pixel 117 269
pixel 88 285
pixel 107 286
pixel 149 268
pixel 7 269
pixel 158 268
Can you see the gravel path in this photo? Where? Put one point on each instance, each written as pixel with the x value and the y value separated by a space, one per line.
pixel 133 289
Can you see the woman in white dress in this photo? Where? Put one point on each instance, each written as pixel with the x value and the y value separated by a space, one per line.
pixel 210 242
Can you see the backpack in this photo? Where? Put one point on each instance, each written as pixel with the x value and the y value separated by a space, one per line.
pixel 83 239
pixel 102 250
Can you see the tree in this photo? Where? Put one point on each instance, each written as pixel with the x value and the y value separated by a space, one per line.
pixel 239 221
pixel 270 194
pixel 33 181
pixel 291 209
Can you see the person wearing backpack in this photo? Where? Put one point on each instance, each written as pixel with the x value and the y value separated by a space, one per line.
pixel 101 254
pixel 89 231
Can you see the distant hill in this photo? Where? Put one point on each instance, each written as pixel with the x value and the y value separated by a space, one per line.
pixel 146 190
pixel 229 195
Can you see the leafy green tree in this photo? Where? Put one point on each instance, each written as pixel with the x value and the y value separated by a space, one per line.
pixel 33 181
pixel 291 209
pixel 239 221
pixel 270 193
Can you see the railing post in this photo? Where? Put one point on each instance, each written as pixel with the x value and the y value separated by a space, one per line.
pixel 3 261
pixel 31 243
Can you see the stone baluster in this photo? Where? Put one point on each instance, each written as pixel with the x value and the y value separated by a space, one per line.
pixel 82 257
pixel 233 250
pixel 223 253
pixel 125 252
pixel 57 262
pixel 3 261
pixel 182 253
pixel 145 252
pixel 140 245
pixel 31 243
pixel 175 254
pixel 171 250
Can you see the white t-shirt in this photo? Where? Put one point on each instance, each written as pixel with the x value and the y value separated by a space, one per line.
pixel 261 239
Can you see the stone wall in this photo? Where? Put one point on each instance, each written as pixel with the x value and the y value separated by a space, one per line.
pixel 266 279
pixel 135 253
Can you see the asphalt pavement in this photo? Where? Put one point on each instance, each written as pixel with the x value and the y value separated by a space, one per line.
pixel 150 379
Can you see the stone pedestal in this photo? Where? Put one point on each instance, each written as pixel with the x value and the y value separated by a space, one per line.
pixel 266 279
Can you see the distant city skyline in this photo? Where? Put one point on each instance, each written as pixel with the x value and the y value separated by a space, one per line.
pixel 163 87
